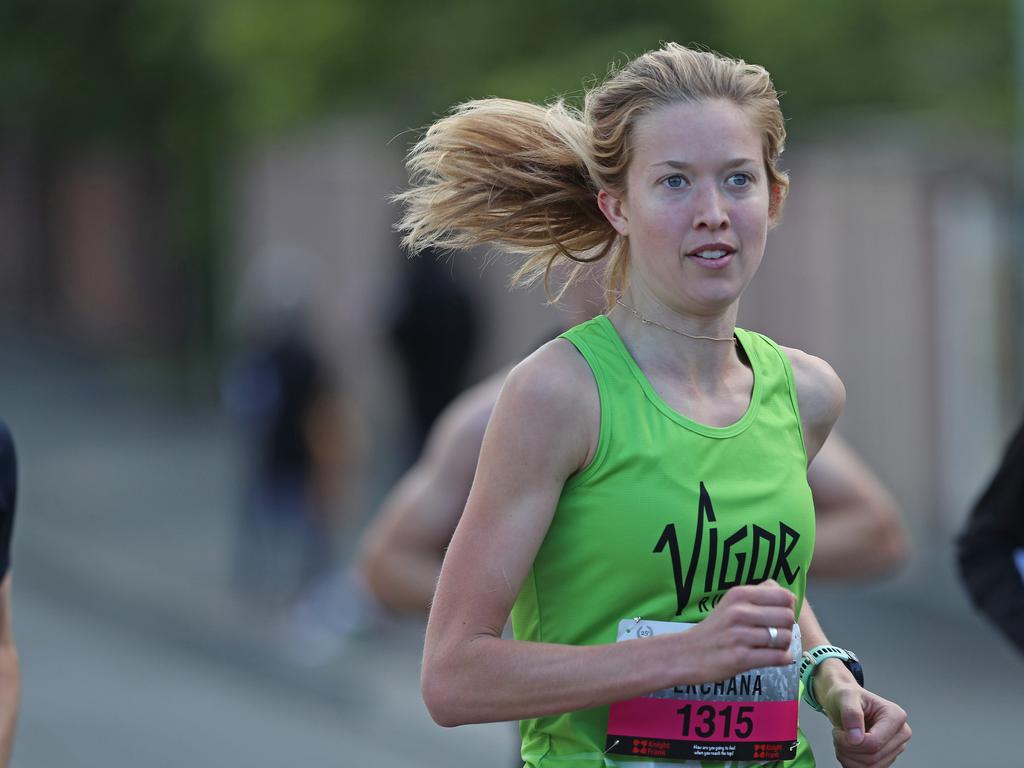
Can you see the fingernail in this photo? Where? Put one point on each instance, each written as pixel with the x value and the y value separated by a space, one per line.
pixel 856 735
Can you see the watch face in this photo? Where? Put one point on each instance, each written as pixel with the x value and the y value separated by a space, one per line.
pixel 855 667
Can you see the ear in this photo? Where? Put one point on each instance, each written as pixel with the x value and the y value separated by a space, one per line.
pixel 614 210
pixel 776 197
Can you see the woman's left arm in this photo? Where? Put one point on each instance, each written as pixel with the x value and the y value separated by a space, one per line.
pixel 867 730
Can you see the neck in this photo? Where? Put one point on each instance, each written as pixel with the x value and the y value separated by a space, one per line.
pixel 698 348
pixel 679 332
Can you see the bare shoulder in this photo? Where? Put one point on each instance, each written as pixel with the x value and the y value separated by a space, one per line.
pixel 552 394
pixel 555 380
pixel 821 396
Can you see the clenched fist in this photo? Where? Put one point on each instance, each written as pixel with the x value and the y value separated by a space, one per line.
pixel 751 627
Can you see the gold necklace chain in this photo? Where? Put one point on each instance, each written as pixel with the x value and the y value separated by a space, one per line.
pixel 645 321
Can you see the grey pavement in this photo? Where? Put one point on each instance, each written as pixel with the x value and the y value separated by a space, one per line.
pixel 136 652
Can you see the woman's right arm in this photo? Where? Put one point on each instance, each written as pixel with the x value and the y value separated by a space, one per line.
pixel 544 428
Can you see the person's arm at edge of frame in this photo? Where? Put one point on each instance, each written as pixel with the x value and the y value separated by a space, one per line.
pixel 985 547
pixel 543 429
pixel 860 533
pixel 867 729
pixel 400 557
pixel 10 675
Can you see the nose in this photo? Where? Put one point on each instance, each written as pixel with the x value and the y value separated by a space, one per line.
pixel 711 211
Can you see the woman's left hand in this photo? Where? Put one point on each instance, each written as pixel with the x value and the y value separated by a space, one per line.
pixel 869 731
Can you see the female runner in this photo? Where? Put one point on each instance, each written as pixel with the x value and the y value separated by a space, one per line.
pixel 646 472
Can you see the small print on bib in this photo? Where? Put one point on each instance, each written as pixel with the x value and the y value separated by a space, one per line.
pixel 752 716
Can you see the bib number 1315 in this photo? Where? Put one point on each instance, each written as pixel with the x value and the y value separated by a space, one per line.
pixel 751 716
pixel 708 721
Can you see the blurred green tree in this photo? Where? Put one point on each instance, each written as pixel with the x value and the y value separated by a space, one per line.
pixel 293 62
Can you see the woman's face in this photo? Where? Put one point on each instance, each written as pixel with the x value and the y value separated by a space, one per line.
pixel 696 208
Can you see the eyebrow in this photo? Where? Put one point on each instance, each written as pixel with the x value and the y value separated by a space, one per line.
pixel 684 166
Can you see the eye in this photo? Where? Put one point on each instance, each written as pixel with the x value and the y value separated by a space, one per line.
pixel 675 181
pixel 740 180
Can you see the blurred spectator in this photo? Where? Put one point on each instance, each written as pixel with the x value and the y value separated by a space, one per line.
pixel 10 677
pixel 991 547
pixel 294 422
pixel 434 332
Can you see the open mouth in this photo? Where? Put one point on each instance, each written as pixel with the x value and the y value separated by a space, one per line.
pixel 711 255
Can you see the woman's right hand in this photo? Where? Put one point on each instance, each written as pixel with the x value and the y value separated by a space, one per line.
pixel 734 638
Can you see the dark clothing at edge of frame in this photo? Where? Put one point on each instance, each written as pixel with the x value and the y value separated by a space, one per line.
pixel 8 495
pixel 992 539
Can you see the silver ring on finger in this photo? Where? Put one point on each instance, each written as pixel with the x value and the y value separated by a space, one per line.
pixel 773 634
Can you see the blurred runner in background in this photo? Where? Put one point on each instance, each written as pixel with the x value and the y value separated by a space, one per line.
pixel 294 419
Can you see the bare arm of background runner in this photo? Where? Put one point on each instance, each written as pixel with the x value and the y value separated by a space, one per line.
pixel 859 529
pixel 400 558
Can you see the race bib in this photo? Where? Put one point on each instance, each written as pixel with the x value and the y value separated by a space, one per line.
pixel 752 716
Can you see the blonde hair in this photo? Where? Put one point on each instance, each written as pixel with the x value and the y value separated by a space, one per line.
pixel 524 178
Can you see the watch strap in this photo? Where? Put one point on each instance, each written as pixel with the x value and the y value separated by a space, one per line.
pixel 810 660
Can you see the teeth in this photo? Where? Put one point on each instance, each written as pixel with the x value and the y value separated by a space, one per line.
pixel 711 254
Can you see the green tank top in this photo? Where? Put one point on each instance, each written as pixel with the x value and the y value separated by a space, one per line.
pixel 667 516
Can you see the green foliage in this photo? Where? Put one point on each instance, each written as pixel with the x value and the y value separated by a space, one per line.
pixel 833 56
pixel 129 68
pixel 293 62
pixel 105 69
pixel 283 59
